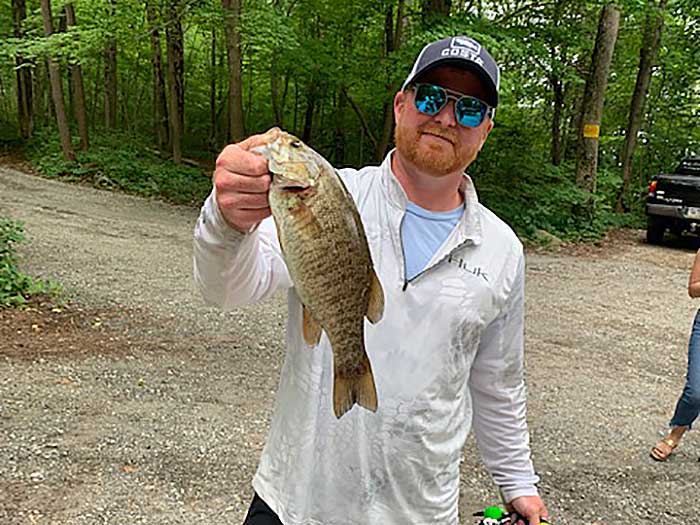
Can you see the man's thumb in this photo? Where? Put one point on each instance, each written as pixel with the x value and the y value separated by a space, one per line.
pixel 258 140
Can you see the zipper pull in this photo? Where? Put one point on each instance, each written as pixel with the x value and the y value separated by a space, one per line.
pixel 405 285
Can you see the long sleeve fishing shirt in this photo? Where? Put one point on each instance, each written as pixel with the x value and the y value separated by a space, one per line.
pixel 447 357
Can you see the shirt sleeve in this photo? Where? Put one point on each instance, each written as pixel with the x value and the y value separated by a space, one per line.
pixel 232 268
pixel 498 393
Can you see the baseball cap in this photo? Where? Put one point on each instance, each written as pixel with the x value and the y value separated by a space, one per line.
pixel 463 52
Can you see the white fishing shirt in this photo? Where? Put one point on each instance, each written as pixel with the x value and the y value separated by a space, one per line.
pixel 447 356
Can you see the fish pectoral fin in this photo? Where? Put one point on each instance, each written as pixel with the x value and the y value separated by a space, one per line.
pixel 311 328
pixel 375 307
pixel 360 389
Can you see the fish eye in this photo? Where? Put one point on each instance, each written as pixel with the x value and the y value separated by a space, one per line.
pixel 296 144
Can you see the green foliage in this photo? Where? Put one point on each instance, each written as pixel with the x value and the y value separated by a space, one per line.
pixel 119 161
pixel 16 288
pixel 314 50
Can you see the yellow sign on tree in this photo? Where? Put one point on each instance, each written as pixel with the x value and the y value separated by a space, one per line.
pixel 591 131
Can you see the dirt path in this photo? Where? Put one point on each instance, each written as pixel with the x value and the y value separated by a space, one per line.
pixel 139 404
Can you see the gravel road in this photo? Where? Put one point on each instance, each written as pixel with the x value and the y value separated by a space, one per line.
pixel 167 428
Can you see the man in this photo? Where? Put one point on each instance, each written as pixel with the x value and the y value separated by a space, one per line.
pixel 449 349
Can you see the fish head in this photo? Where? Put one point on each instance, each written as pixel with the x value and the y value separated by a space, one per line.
pixel 295 167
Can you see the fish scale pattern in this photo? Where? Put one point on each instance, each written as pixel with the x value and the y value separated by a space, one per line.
pixel 329 260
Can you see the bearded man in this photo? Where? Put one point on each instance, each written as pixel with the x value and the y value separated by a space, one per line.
pixel 448 353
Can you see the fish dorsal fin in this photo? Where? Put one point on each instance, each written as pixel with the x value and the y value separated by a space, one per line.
pixel 375 306
pixel 311 329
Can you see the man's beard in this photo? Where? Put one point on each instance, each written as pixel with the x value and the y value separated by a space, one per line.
pixel 433 159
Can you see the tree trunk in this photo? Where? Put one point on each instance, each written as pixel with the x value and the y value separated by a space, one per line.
pixel 363 120
pixel 647 57
pixel 558 108
pixel 277 108
pixel 49 107
pixel 176 69
pixel 594 96
pixel 78 88
pixel 309 114
pixel 339 158
pixel 232 15
pixel 96 89
pixel 212 91
pixel 296 104
pixel 132 111
pixel 25 103
pixel 57 89
pixel 433 10
pixel 38 89
pixel 569 139
pixel 393 42
pixel 251 86
pixel 160 100
pixel 557 84
pixel 110 54
pixel 62 28
pixel 222 104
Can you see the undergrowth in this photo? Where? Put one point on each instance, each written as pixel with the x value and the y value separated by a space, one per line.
pixel 122 162
pixel 17 288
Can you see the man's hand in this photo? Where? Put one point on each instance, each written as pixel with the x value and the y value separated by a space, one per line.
pixel 531 507
pixel 242 182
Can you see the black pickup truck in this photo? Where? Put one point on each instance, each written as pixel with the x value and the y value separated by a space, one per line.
pixel 673 202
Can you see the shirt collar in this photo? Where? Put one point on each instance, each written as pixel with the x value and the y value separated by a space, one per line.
pixel 469 225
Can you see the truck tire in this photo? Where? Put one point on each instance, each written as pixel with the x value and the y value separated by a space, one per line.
pixel 656 227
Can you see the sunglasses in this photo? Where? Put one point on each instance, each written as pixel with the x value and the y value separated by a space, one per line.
pixel 469 111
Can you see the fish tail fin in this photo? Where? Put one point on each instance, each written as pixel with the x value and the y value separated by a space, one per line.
pixel 356 388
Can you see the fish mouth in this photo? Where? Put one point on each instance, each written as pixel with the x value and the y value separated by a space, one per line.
pixel 294 189
pixel 282 183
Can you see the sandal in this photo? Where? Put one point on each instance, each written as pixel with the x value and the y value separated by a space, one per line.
pixel 663 449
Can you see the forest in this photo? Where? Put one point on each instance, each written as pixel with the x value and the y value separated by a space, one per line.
pixel 141 95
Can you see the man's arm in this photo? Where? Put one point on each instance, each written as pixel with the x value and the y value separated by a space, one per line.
pixel 232 268
pixel 499 398
pixel 237 258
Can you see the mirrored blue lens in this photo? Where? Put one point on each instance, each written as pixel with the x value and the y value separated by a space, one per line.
pixel 430 99
pixel 470 112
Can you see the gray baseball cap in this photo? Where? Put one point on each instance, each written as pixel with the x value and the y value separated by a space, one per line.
pixel 463 52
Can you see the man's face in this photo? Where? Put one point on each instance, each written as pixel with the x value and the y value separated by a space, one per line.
pixel 438 144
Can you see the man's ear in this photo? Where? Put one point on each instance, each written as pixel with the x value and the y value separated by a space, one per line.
pixel 487 129
pixel 399 104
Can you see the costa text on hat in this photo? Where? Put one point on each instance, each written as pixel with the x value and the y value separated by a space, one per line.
pixel 460 51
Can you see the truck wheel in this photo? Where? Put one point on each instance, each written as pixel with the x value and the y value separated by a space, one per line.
pixel 655 230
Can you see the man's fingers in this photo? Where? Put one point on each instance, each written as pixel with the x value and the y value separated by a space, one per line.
pixel 235 159
pixel 242 181
pixel 235 182
pixel 536 519
pixel 245 201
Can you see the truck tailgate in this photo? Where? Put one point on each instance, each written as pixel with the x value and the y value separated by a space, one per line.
pixel 678 189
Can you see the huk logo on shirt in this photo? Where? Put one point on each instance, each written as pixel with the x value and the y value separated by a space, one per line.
pixel 474 270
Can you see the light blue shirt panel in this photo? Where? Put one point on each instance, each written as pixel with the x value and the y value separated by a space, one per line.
pixel 422 233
